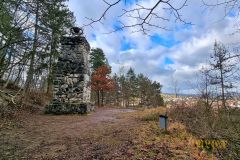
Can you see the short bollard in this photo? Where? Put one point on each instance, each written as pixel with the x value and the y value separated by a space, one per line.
pixel 163 122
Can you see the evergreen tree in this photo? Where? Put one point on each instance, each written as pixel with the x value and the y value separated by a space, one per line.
pixel 30 33
pixel 97 58
pixel 138 90
pixel 132 84
pixel 222 69
pixel 57 19
pixel 11 34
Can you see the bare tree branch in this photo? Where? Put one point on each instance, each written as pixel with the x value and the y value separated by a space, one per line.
pixel 229 5
pixel 143 16
pixel 104 13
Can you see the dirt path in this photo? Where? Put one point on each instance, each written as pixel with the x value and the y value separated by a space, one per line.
pixel 99 135
pixel 105 134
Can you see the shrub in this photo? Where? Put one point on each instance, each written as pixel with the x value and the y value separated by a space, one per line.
pixel 36 98
pixel 8 105
pixel 151 117
pixel 152 114
pixel 11 85
pixel 208 123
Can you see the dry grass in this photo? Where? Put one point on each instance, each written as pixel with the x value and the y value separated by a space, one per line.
pixel 206 123
pixel 35 100
pixel 104 134
pixel 152 114
pixel 179 142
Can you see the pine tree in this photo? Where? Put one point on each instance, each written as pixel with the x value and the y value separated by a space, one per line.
pixel 30 39
pixel 57 18
pixel 132 84
pixel 11 34
pixel 222 69
pixel 97 58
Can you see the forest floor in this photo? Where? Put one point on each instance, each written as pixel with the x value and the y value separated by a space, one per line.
pixel 107 133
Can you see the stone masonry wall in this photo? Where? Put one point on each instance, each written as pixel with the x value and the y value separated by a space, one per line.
pixel 72 78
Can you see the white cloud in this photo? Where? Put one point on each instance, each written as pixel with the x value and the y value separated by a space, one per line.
pixel 188 56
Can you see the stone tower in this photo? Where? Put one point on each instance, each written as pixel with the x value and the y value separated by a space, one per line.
pixel 72 76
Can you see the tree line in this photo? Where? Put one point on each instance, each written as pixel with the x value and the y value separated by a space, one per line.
pixel 125 89
pixel 30 38
pixel 30 34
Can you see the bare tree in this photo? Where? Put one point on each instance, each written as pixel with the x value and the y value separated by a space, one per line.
pixel 145 18
pixel 206 82
pixel 223 69
pixel 228 5
pixel 175 86
pixel 205 88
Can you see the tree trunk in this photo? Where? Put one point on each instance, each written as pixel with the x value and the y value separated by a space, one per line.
pixel 17 79
pixel 207 96
pixel 50 75
pixel 29 80
pixel 102 97
pixel 8 78
pixel 2 65
pixel 222 86
pixel 98 98
pixel 133 101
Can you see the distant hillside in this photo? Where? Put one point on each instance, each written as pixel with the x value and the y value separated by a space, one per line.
pixel 181 95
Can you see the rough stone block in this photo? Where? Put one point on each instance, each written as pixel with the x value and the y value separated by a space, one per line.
pixel 72 76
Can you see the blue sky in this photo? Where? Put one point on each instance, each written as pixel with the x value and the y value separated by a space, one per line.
pixel 162 55
pixel 126 44
pixel 168 61
pixel 167 41
pixel 130 2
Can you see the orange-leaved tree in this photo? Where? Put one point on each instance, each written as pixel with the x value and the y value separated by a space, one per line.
pixel 102 82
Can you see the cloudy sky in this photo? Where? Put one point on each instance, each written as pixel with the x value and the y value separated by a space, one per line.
pixel 161 55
